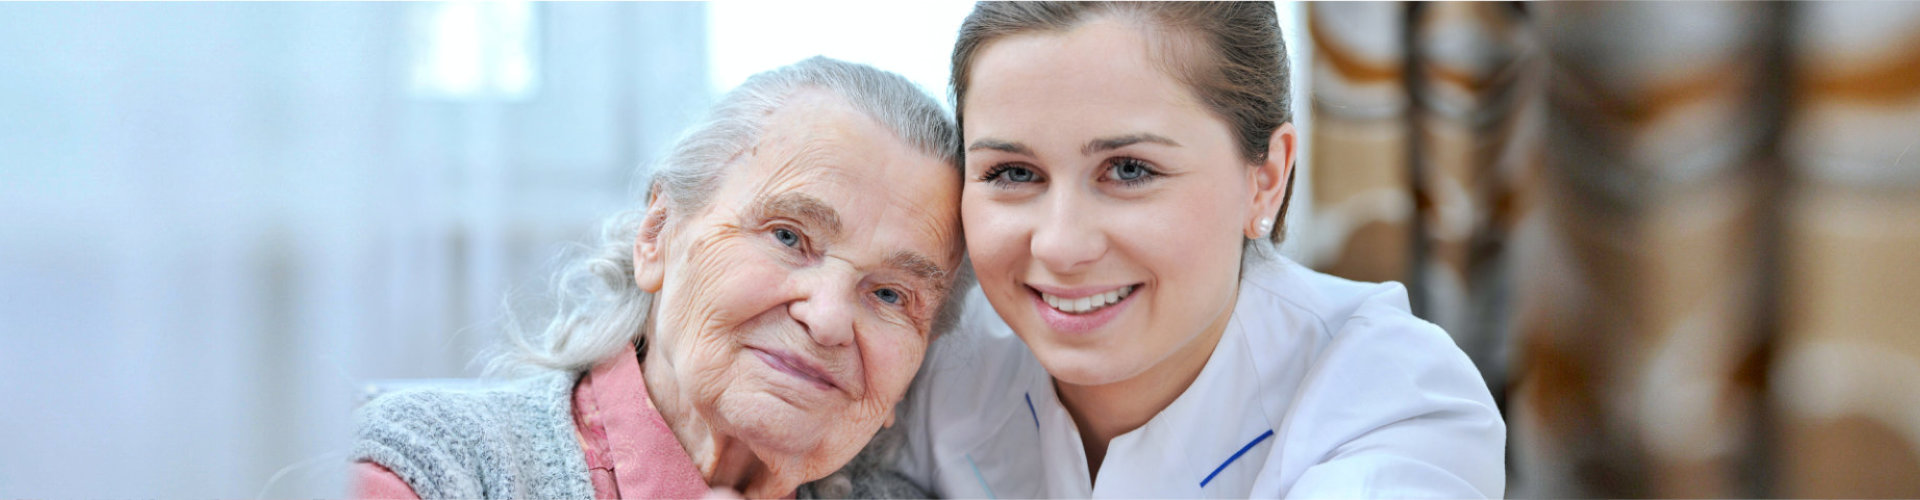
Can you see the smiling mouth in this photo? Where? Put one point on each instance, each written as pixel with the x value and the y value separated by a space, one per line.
pixel 789 364
pixel 1088 304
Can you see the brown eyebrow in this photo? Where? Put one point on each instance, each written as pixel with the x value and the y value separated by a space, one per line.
pixel 1093 146
pixel 1000 145
pixel 1112 143
pixel 806 209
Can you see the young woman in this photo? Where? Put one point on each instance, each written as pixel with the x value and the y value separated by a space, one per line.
pixel 1126 166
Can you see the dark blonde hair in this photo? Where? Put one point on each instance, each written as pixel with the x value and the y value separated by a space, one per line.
pixel 1229 53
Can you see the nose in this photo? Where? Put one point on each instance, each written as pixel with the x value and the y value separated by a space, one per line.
pixel 826 307
pixel 1067 239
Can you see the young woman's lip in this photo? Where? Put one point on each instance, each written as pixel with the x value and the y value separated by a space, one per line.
pixel 786 362
pixel 1076 292
pixel 1064 322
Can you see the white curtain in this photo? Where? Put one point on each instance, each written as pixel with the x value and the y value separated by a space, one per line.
pixel 218 221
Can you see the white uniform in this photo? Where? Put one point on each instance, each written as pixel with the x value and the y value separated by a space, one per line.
pixel 1320 388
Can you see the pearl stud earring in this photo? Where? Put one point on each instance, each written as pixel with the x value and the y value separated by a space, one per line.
pixel 1266 226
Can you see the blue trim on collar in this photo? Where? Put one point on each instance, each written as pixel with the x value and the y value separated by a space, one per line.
pixel 1031 411
pixel 1236 456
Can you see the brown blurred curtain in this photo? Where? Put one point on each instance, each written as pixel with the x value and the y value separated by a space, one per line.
pixel 1422 164
pixel 1678 239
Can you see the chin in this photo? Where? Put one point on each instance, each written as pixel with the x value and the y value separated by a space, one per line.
pixel 1085 366
pixel 800 453
pixel 770 426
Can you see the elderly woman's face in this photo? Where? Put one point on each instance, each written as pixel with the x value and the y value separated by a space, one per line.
pixel 797 305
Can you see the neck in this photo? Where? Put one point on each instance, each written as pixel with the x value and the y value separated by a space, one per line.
pixel 1103 412
pixel 721 460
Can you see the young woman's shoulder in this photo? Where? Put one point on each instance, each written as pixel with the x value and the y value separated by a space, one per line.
pixel 1328 301
pixel 1381 402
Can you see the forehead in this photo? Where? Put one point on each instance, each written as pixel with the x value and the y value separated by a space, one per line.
pixel 879 188
pixel 1100 70
pixel 817 135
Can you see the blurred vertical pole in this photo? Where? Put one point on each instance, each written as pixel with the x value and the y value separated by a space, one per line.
pixel 1757 472
pixel 1845 383
pixel 1641 322
pixel 1474 82
pixel 1417 296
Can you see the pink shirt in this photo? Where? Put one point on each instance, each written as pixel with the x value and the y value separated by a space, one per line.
pixel 630 451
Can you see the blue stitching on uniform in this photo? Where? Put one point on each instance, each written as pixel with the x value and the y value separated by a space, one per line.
pixel 1236 456
pixel 1031 411
pixel 976 475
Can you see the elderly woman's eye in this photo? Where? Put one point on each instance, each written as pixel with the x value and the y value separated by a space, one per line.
pixel 787 237
pixel 888 295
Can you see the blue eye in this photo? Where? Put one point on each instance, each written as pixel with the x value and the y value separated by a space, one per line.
pixel 1131 170
pixel 1005 175
pixel 888 295
pixel 787 237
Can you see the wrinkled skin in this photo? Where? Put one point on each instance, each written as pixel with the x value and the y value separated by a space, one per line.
pixel 829 244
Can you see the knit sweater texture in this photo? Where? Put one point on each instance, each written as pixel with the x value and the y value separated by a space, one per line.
pixel 517 441
pixel 511 441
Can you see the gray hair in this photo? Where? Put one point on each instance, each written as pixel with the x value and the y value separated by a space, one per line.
pixel 599 308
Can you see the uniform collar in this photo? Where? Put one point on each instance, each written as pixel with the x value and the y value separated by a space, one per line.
pixel 1194 438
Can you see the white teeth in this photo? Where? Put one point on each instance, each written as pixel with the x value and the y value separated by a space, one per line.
pixel 1088 303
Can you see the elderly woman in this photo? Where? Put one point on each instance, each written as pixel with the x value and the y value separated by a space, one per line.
pixel 750 328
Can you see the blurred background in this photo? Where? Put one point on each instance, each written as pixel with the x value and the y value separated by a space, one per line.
pixel 1676 238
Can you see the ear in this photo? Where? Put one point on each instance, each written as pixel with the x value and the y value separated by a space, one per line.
pixel 1268 180
pixel 649 247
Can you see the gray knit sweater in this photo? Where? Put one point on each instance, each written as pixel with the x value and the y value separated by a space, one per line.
pixel 511 441
pixel 517 441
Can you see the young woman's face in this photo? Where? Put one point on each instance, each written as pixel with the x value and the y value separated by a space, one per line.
pixel 1105 206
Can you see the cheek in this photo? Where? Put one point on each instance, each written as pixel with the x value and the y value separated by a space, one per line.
pixel 996 235
pixel 998 247
pixel 709 299
pixel 891 363
pixel 726 280
pixel 1189 242
pixel 1194 227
